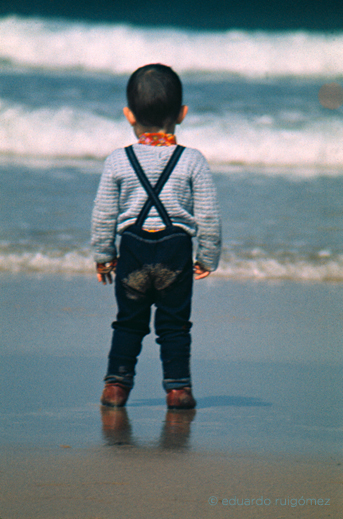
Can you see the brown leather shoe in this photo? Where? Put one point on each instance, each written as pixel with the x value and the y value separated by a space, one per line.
pixel 180 398
pixel 115 394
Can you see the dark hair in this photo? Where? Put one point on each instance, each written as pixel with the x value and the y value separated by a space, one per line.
pixel 154 95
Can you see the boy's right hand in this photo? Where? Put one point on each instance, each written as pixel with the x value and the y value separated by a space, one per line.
pixel 104 271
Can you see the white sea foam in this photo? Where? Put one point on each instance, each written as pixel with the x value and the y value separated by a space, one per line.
pixel 64 132
pixel 74 133
pixel 271 269
pixel 120 49
pixel 72 262
pixel 237 140
pixel 258 269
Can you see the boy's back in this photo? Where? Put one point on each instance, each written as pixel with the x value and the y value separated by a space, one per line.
pixel 189 197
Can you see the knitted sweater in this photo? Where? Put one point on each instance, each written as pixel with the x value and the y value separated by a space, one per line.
pixel 189 197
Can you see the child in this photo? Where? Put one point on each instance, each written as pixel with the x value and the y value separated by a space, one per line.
pixel 157 196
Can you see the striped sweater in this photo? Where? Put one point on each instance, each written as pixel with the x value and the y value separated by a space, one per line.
pixel 189 197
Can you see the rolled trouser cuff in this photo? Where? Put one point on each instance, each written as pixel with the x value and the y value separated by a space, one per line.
pixel 180 383
pixel 127 380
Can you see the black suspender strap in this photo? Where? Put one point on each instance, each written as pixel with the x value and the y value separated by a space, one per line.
pixel 153 192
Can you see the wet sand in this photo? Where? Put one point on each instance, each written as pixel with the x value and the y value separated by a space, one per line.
pixel 267 365
pixel 132 483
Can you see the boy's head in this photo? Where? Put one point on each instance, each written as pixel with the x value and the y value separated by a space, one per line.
pixel 154 96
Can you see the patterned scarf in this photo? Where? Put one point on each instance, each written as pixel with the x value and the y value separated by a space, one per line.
pixel 157 139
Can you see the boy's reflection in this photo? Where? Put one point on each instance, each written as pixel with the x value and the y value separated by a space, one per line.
pixel 175 432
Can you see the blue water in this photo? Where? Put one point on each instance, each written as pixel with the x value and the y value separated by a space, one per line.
pixel 274 149
pixel 221 14
pixel 273 227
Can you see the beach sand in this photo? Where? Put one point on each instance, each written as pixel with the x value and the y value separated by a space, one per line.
pixel 267 375
pixel 132 483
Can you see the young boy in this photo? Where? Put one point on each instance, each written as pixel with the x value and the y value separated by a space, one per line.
pixel 157 196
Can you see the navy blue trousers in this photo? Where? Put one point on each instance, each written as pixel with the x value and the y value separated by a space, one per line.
pixel 154 268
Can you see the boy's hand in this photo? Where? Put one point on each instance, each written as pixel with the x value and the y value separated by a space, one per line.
pixel 104 271
pixel 200 272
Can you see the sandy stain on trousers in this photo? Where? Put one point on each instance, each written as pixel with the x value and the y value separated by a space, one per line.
pixel 158 276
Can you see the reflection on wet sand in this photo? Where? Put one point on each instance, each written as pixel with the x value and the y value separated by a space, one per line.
pixel 175 433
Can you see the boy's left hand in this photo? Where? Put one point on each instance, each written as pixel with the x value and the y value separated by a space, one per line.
pixel 200 272
pixel 104 271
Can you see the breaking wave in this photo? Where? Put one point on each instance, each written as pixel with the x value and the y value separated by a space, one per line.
pixel 258 269
pixel 69 132
pixel 119 49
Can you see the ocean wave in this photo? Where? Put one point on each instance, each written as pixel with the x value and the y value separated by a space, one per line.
pixel 70 132
pixel 72 262
pixel 119 49
pixel 258 269
pixel 273 270
pixel 64 132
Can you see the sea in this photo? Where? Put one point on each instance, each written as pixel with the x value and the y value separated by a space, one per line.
pixel 275 150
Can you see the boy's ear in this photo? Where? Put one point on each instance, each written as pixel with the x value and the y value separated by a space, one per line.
pixel 182 114
pixel 129 116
